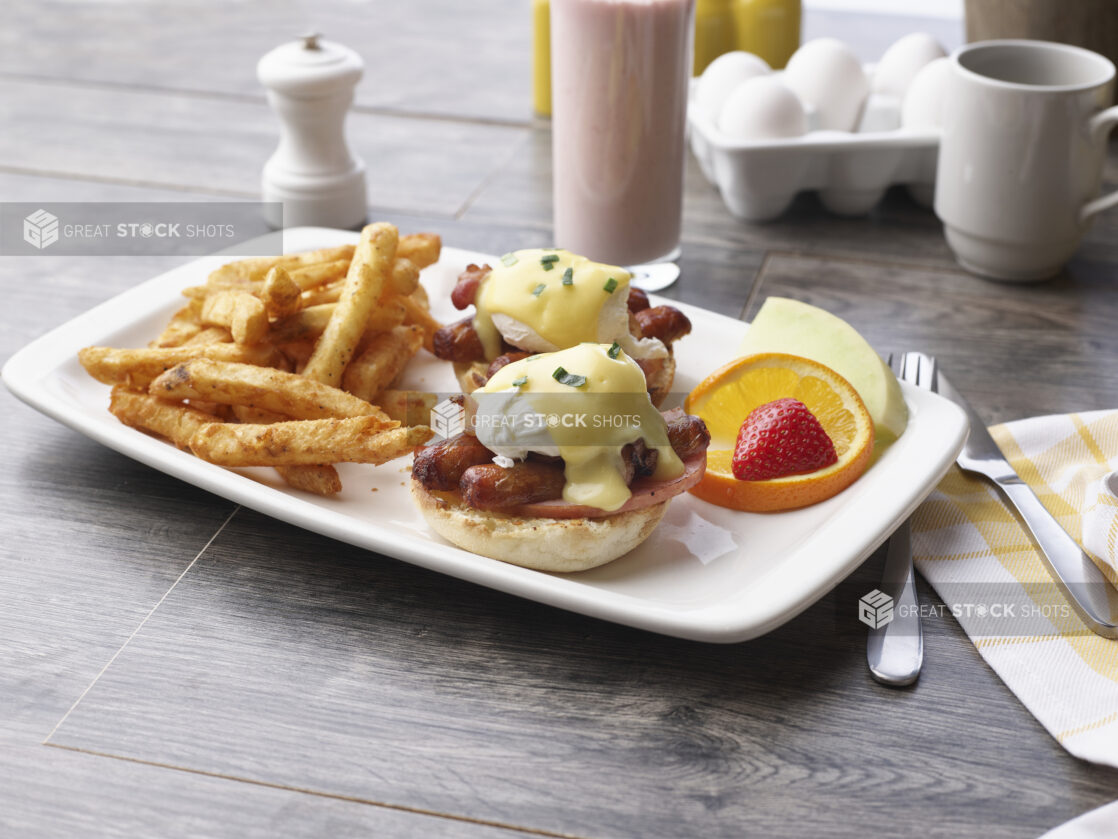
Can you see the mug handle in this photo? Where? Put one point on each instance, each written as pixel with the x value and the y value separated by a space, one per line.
pixel 1100 126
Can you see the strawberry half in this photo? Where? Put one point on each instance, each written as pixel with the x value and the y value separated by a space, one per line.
pixel 781 438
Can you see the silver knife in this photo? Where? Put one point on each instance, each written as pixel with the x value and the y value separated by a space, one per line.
pixel 1076 575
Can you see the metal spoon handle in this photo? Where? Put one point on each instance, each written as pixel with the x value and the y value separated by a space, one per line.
pixel 895 651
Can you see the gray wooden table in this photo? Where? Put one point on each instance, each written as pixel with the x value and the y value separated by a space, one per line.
pixel 173 665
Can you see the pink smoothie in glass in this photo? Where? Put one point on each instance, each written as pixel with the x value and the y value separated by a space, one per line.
pixel 619 76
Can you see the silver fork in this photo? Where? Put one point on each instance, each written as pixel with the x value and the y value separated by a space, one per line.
pixel 895 651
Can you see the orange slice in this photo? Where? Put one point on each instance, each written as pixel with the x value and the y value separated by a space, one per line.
pixel 725 398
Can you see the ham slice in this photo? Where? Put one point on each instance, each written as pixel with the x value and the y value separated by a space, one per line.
pixel 646 493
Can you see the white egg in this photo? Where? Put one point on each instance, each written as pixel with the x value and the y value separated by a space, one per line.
pixel 828 76
pixel 903 60
pixel 762 108
pixel 721 77
pixel 923 102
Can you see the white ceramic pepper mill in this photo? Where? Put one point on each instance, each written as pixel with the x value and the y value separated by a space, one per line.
pixel 313 173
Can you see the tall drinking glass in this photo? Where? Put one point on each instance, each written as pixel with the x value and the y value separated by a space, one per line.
pixel 620 71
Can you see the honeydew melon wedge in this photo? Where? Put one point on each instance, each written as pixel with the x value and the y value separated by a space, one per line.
pixel 789 326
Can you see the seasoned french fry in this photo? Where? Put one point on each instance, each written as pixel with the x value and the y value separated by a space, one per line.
pixel 398 442
pixel 137 368
pixel 313 276
pixel 258 387
pixel 404 279
pixel 319 478
pixel 421 248
pixel 255 416
pixel 309 323
pixel 329 293
pixel 178 423
pixel 305 324
pixel 242 274
pixel 302 260
pixel 418 314
pixel 183 326
pixel 382 361
pixel 222 412
pixel 240 311
pixel 218 380
pixel 209 335
pixel 367 275
pixel 298 442
pixel 280 293
pixel 297 354
pixel 407 407
pixel 383 319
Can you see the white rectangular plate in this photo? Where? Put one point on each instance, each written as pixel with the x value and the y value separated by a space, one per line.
pixel 706 573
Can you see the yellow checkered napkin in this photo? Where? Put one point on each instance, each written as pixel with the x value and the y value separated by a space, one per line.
pixel 972 550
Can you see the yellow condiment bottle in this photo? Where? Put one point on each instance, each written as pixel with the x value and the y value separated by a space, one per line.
pixel 768 28
pixel 541 57
pixel 714 31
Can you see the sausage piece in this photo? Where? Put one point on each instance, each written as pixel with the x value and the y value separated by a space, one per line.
pixel 440 467
pixel 688 436
pixel 458 342
pixel 465 290
pixel 491 487
pixel 638 299
pixel 638 460
pixel 664 322
pixel 504 359
pixel 464 463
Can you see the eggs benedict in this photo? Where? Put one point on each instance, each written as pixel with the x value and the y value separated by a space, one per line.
pixel 548 299
pixel 565 463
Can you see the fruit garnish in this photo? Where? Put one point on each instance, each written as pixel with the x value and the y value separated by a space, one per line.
pixel 729 395
pixel 781 438
pixel 784 325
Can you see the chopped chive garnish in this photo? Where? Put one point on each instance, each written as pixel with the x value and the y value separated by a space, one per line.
pixel 569 276
pixel 520 382
pixel 509 259
pixel 548 262
pixel 610 286
pixel 570 379
pixel 614 351
pixel 538 290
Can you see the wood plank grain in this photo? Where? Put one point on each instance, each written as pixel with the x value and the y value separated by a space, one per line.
pixel 327 667
pixel 50 792
pixel 468 60
pixel 91 539
pixel 219 146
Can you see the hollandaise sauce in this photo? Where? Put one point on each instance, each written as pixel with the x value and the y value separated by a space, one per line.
pixel 584 404
pixel 548 299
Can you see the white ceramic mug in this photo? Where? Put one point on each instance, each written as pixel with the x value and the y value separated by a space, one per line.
pixel 1025 125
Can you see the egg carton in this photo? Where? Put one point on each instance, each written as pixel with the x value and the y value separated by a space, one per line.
pixel 850 170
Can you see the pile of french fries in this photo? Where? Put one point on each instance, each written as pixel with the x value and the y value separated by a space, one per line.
pixel 288 361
